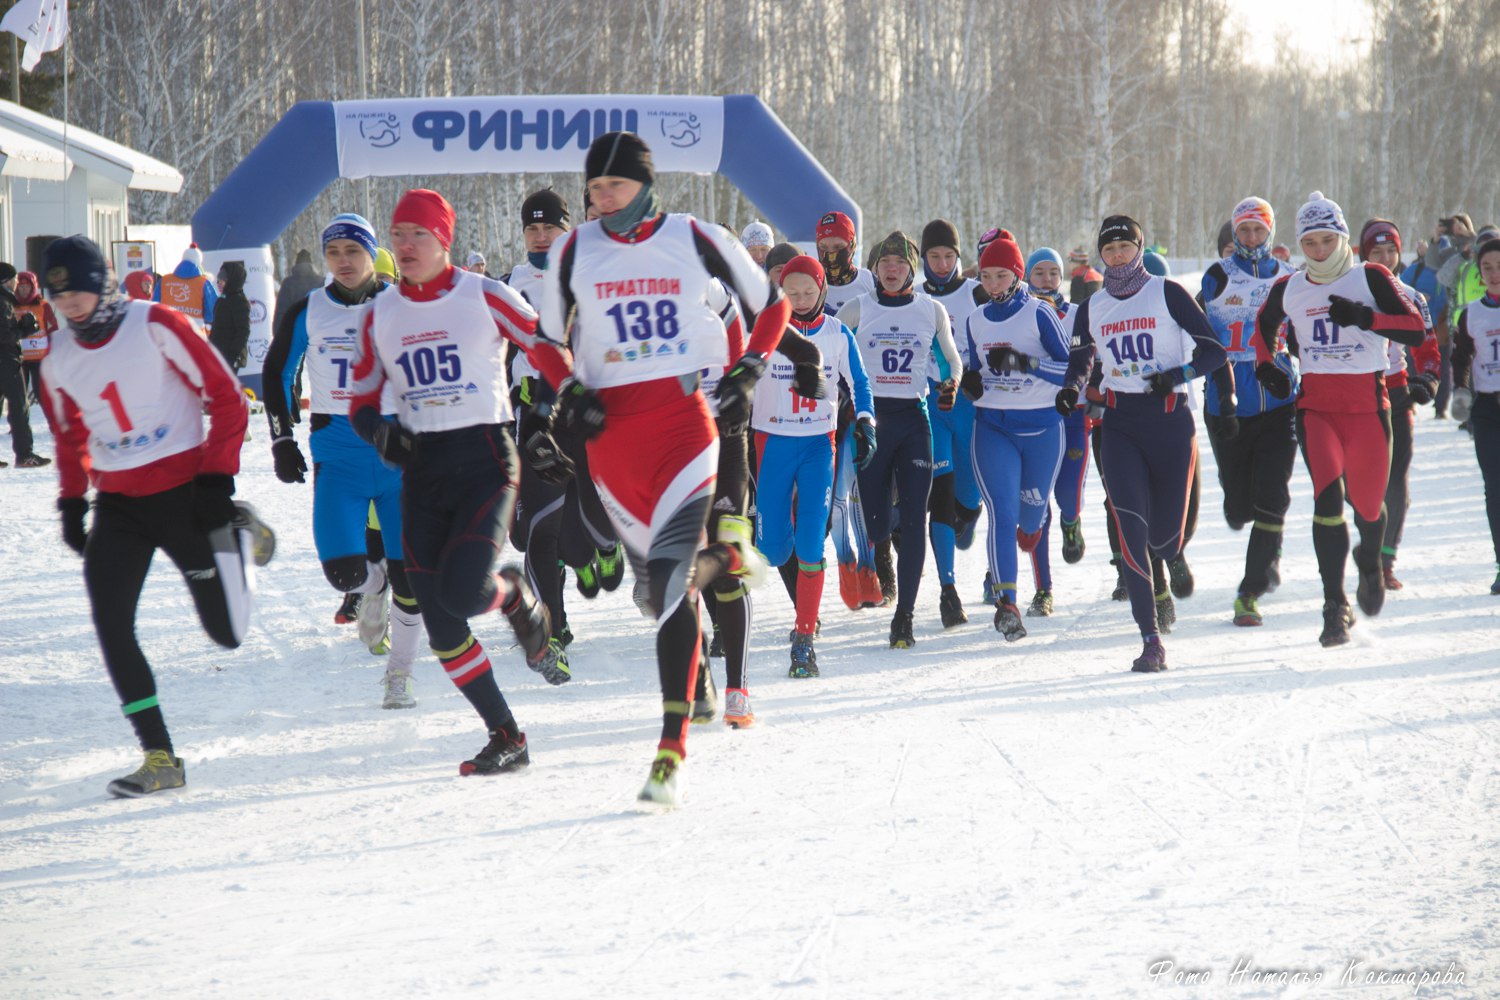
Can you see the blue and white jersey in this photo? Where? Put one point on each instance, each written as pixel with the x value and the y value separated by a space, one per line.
pixel 328 331
pixel 1027 325
pixel 1237 295
pixel 896 342
pixel 779 410
pixel 960 305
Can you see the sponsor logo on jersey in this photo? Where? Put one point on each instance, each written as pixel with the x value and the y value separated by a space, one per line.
pixel 1234 300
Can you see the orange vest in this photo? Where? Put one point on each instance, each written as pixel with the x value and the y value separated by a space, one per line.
pixel 185 295
pixel 34 345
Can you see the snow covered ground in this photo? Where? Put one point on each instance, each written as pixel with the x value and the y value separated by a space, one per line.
pixel 964 819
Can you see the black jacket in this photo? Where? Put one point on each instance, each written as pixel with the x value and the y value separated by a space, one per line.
pixel 10 328
pixel 231 329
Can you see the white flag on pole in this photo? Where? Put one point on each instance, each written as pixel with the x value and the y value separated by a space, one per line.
pixel 41 24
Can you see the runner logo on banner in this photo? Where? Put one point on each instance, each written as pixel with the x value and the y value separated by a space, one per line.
pixel 472 135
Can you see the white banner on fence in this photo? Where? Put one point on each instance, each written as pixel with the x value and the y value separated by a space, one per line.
pixel 473 135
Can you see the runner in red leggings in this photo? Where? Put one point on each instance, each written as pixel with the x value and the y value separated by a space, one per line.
pixel 1339 315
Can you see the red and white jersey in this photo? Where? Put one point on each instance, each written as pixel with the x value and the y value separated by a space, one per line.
pixel 1483 324
pixel 1325 348
pixel 332 342
pixel 1136 337
pixel 643 308
pixel 129 411
pixel 526 280
pixel 779 410
pixel 841 295
pixel 441 349
pixel 1427 357
pixel 897 343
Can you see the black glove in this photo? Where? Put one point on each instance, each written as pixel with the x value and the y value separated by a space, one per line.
pixel 1007 360
pixel 1347 312
pixel 290 465
pixel 808 381
pixel 578 409
pixel 547 460
pixel 396 445
pixel 864 442
pixel 1276 381
pixel 27 323
pixel 736 392
pixel 73 509
pixel 1227 427
pixel 972 384
pixel 1422 388
pixel 947 394
pixel 1164 383
pixel 212 507
pixel 1067 400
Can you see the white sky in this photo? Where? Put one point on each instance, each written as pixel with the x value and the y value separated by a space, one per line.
pixel 1322 28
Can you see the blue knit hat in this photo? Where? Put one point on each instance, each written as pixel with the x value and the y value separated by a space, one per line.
pixel 1040 254
pixel 349 226
pixel 1156 264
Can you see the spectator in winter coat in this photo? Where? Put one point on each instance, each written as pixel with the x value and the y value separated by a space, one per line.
pixel 140 285
pixel 188 290
pixel 37 323
pixel 296 286
pixel 1083 280
pixel 12 383
pixel 231 332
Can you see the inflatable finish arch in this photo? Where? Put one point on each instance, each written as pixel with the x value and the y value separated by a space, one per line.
pixel 317 142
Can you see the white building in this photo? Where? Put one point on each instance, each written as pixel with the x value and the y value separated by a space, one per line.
pixel 45 194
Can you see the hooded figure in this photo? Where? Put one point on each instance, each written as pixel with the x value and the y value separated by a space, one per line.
pixel 303 279
pixel 188 290
pixel 231 329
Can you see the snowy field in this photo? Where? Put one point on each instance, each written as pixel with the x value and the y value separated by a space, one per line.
pixel 964 819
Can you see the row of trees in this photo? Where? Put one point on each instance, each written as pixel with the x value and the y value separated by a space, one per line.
pixel 1040 117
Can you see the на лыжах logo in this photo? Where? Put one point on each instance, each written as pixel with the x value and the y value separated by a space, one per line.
pixel 381 131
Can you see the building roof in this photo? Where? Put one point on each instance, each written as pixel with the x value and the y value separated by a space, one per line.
pixel 91 151
pixel 22 156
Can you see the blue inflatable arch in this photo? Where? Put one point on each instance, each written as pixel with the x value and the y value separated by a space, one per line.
pixel 318 142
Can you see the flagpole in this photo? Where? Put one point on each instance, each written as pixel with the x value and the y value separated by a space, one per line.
pixel 67 174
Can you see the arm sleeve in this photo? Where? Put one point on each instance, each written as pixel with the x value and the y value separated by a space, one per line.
pixel 1080 352
pixel 200 365
pixel 549 355
pixel 1268 322
pixel 288 345
pixel 70 437
pixel 1463 352
pixel 1396 316
pixel 948 350
pixel 763 305
pixel 1214 283
pixel 210 300
pixel 1427 358
pixel 367 380
pixel 1053 368
pixel 1208 353
pixel 849 315
pixel 972 361
pixel 854 373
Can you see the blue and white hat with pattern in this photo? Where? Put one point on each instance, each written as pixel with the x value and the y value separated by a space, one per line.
pixel 1321 215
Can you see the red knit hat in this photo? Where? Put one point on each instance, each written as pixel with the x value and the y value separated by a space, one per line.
pixel 1378 231
pixel 836 224
pixel 429 210
pixel 803 264
pixel 1003 252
